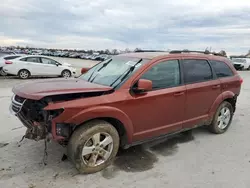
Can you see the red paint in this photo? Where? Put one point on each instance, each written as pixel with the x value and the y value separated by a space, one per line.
pixel 39 89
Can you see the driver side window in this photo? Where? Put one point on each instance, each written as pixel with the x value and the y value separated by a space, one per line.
pixel 163 75
pixel 48 61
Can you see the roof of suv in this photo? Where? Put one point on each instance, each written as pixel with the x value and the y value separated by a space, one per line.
pixel 152 55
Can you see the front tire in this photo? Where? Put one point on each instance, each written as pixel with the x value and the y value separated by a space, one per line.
pixel 93 146
pixel 66 74
pixel 24 74
pixel 222 118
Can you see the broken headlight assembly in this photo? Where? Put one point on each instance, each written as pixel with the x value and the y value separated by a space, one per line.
pixel 54 113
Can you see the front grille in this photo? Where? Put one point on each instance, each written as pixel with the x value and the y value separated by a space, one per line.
pixel 17 103
pixel 27 123
pixel 19 99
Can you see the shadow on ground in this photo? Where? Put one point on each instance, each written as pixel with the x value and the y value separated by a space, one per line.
pixel 28 158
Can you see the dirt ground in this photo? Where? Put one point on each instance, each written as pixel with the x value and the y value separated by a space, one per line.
pixel 195 160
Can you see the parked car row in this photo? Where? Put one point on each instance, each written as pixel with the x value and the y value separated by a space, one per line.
pixel 93 56
pixel 97 57
pixel 25 66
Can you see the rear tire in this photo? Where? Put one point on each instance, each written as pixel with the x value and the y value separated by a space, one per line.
pixel 24 74
pixel 222 118
pixel 2 73
pixel 66 74
pixel 89 152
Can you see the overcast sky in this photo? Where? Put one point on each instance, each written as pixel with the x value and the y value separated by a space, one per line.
pixel 148 24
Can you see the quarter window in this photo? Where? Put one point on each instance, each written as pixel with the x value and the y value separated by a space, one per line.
pixel 196 70
pixel 164 75
pixel 221 69
pixel 23 59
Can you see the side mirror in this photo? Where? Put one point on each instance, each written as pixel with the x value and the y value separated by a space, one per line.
pixel 143 85
pixel 57 64
pixel 84 70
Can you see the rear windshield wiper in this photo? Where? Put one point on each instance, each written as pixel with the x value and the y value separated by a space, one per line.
pixel 126 73
pixel 104 65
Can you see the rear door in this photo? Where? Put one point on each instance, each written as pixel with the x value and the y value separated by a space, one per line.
pixel 228 80
pixel 202 90
pixel 35 66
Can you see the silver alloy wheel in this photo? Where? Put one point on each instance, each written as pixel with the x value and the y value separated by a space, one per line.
pixel 24 74
pixel 224 118
pixel 66 74
pixel 97 149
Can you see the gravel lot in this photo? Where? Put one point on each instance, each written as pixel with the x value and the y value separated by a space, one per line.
pixel 192 160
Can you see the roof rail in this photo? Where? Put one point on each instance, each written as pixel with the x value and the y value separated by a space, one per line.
pixel 194 51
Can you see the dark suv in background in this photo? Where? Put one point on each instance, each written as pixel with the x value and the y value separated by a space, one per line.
pixel 127 100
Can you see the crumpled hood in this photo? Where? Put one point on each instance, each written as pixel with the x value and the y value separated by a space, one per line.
pixel 48 87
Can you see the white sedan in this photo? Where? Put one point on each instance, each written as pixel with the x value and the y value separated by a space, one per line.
pixel 36 65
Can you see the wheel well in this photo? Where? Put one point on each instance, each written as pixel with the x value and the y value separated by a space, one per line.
pixel 118 125
pixel 66 70
pixel 232 101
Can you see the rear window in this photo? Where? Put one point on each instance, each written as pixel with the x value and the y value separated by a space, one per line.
pixel 221 69
pixel 11 57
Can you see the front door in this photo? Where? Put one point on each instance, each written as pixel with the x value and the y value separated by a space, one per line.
pixel 161 110
pixel 50 67
pixel 202 91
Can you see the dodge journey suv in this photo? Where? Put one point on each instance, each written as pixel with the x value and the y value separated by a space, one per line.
pixel 127 100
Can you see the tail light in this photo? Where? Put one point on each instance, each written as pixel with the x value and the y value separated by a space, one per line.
pixel 241 81
pixel 8 62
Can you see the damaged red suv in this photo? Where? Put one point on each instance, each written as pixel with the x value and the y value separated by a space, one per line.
pixel 127 100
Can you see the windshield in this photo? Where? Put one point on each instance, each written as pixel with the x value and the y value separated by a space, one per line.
pixel 113 71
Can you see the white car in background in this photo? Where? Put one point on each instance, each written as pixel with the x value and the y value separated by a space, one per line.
pixel 36 65
pixel 2 62
pixel 241 63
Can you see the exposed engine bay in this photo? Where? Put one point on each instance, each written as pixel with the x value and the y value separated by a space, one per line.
pixel 37 120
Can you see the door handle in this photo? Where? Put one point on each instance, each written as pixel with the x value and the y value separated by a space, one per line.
pixel 179 93
pixel 216 86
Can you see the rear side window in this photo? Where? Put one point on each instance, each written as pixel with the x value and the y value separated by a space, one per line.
pixel 33 59
pixel 221 69
pixel 164 74
pixel 196 70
